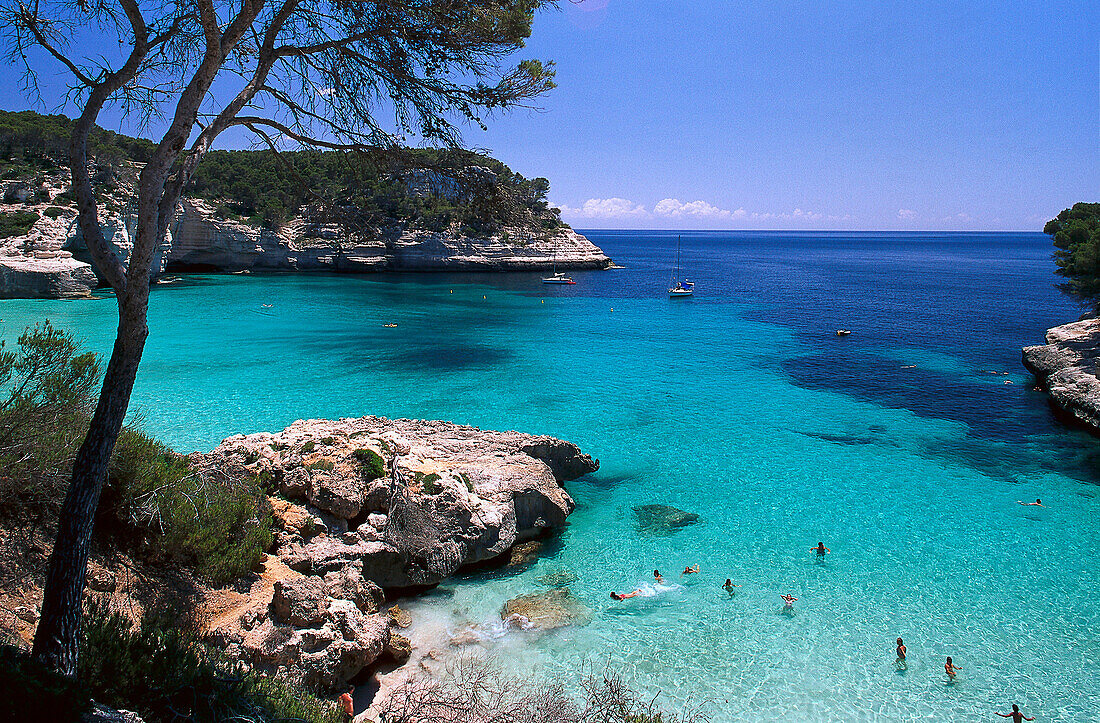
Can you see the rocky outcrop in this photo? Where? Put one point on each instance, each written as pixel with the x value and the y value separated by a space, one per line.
pixel 372 503
pixel 203 241
pixel 407 502
pixel 1067 368
pixel 37 266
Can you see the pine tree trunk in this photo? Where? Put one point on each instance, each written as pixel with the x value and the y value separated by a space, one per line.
pixel 57 638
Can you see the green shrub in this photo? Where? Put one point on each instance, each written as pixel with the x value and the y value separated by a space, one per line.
pixel 322 465
pixel 308 447
pixel 219 526
pixel 429 482
pixel 29 691
pixel 371 465
pixel 17 223
pixel 328 440
pixel 164 674
pixel 53 212
pixel 49 386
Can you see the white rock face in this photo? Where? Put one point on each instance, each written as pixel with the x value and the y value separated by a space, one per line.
pixel 1067 366
pixel 421 498
pixel 204 242
pixel 37 265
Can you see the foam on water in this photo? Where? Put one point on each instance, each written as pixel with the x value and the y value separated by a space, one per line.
pixel 894 446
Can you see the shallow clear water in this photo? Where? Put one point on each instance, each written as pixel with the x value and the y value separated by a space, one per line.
pixel 901 447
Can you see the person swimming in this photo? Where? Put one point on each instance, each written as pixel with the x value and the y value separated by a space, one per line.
pixel 657 576
pixel 728 587
pixel 691 570
pixel 820 549
pixel 624 595
pixel 1015 715
pixel 950 668
pixel 901 651
pixel 788 601
pixel 1036 503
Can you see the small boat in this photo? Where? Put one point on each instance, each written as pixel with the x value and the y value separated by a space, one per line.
pixel 390 326
pixel 558 277
pixel 843 332
pixel 677 287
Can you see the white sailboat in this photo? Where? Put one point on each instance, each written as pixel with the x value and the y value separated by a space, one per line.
pixel 558 277
pixel 677 287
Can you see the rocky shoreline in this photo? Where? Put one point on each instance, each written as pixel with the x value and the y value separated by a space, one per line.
pixel 51 261
pixel 1066 367
pixel 369 508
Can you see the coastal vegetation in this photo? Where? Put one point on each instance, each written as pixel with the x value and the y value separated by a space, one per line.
pixel 155 505
pixel 424 188
pixel 1076 235
pixel 318 74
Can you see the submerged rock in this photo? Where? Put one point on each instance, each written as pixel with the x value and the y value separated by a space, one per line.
pixel 548 610
pixel 1067 368
pixel 559 578
pixel 662 519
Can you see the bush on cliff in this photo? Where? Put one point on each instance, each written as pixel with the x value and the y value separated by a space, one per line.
pixel 17 223
pixel 155 669
pixel 153 502
pixel 1076 235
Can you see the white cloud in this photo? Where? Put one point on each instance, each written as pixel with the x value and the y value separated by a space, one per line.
pixel 605 208
pixel 906 214
pixel 674 208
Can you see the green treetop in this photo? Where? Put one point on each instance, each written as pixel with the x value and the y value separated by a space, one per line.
pixel 1076 234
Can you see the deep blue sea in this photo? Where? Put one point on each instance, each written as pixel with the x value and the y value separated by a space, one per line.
pixel 904 447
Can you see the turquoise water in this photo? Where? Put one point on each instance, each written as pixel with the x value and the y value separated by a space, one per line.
pixel 901 447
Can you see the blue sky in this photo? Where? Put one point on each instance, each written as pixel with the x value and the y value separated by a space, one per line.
pixel 811 114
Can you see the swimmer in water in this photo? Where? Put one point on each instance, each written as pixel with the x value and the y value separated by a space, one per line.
pixel 625 595
pixel 820 549
pixel 1015 715
pixel 657 576
pixel 691 570
pixel 901 653
pixel 728 587
pixel 950 668
pixel 1036 503
pixel 788 602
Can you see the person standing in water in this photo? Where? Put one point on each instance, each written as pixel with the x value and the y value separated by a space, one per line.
pixel 657 576
pixel 900 662
pixel 1015 715
pixel 728 587
pixel 1036 503
pixel 820 550
pixel 788 601
pixel 951 668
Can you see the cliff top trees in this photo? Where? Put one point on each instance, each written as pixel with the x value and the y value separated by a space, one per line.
pixel 1076 235
pixel 339 74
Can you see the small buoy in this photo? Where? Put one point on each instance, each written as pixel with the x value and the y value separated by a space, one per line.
pixel 612 309
pixel 452 291
pixel 544 301
pixel 483 297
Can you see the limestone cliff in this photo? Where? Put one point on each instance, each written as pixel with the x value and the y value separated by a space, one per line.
pixel 202 241
pixel 1066 367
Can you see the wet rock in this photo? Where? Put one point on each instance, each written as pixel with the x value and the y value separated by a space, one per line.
pixel 399 648
pixel 524 554
pixel 1067 368
pixel 662 519
pixel 401 618
pixel 547 610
